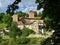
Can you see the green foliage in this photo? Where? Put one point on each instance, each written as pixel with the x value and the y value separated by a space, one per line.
pixel 39 15
pixel 48 22
pixel 36 40
pixel 12 7
pixel 47 19
pixel 14 30
pixel 21 14
pixel 18 41
pixel 7 19
pixel 26 31
pixel 48 41
pixel 22 41
pixel 11 41
pixel 32 40
pixel 35 13
pixel 2 25
pixel 1 16
pixel 4 42
pixel 40 5
pixel 0 38
pixel 51 11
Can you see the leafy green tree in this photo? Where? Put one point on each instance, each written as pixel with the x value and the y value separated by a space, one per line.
pixel 39 15
pixel 35 13
pixel 7 19
pixel 26 31
pixel 21 14
pixel 13 7
pixel 2 25
pixel 0 38
pixel 1 16
pixel 52 11
pixel 14 30
pixel 22 41
pixel 48 22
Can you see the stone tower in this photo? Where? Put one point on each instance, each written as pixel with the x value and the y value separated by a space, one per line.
pixel 31 14
pixel 15 17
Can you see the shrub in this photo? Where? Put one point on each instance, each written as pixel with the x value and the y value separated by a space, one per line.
pixel 26 31
pixel 36 40
pixel 0 38
pixel 4 42
pixel 14 30
pixel 22 40
pixel 32 41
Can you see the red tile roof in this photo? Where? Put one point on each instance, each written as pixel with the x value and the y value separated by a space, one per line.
pixel 21 23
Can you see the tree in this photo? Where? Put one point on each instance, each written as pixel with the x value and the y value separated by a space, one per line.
pixel 48 22
pixel 13 7
pixel 39 15
pixel 2 25
pixel 7 19
pixel 35 13
pixel 0 38
pixel 22 41
pixel 26 31
pixel 51 10
pixel 1 16
pixel 14 30
pixel 21 14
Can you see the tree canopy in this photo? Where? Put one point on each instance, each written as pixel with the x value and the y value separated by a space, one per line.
pixel 21 14
pixel 1 16
pixel 14 30
pixel 51 11
pixel 13 7
pixel 7 19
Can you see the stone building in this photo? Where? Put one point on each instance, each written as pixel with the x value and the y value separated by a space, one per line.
pixel 31 22
pixel 31 14
pixel 15 17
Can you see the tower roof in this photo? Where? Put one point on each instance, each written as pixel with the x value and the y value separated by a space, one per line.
pixel 31 11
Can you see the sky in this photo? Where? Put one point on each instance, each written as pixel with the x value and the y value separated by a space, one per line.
pixel 24 5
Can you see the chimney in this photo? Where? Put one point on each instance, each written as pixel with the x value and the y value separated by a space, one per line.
pixel 31 14
pixel 15 17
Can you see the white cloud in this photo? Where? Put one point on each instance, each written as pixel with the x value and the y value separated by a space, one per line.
pixel 27 5
pixel 40 10
pixel 4 4
pixel 0 4
pixel 24 5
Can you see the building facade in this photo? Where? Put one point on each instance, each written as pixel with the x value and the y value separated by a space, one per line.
pixel 31 22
